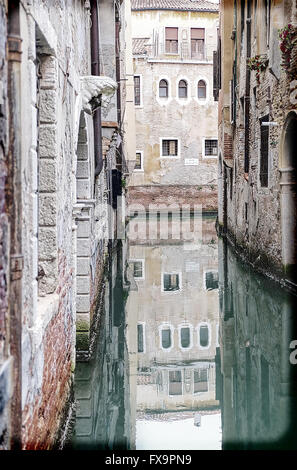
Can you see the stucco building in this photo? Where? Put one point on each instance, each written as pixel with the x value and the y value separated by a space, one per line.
pixel 255 85
pixel 63 156
pixel 176 115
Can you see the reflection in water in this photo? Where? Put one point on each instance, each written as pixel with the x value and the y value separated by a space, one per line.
pixel 197 356
pixel 175 301
pixel 258 383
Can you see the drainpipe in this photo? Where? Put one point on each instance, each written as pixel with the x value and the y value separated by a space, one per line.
pixel 95 70
pixel 14 210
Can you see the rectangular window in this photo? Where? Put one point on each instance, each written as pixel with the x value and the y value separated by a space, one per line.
pixel 137 90
pixel 170 282
pixel 138 162
pixel 166 338
pixel 200 380
pixel 140 338
pixel 175 382
pixel 264 147
pixel 211 280
pixel 171 40
pixel 169 148
pixel 198 43
pixel 138 271
pixel 211 148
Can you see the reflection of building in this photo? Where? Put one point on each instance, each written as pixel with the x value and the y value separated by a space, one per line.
pixel 176 306
pixel 256 89
pixel 176 115
pixel 257 389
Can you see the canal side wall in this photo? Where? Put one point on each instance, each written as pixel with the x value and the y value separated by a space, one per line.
pixel 258 217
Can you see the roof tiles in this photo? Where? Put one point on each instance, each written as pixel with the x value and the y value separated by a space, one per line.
pixel 192 5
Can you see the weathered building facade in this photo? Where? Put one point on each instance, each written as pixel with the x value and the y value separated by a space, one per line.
pixel 176 115
pixel 63 156
pixel 255 86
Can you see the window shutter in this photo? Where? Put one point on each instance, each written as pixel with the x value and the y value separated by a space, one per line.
pixel 215 76
pixel 171 34
pixel 197 33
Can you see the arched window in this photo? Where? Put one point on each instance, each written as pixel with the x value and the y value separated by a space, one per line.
pixel 204 336
pixel 163 89
pixel 166 338
pixel 182 89
pixel 201 90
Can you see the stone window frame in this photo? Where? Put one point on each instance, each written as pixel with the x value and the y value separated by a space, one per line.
pixel 172 157
pixel 142 261
pixel 140 105
pixel 139 170
pixel 183 101
pixel 200 324
pixel 190 326
pixel 166 326
pixel 179 282
pixel 207 157
pixel 207 99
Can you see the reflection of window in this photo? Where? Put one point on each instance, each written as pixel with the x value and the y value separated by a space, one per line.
pixel 175 382
pixel 185 337
pixel 182 89
pixel 204 336
pixel 138 271
pixel 200 380
pixel 197 43
pixel 171 38
pixel 166 338
pixel 140 338
pixel 169 148
pixel 211 280
pixel 163 89
pixel 201 90
pixel 170 282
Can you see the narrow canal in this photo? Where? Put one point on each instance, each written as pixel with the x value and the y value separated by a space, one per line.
pixel 194 350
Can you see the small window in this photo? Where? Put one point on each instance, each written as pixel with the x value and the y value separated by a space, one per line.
pixel 201 90
pixel 138 162
pixel 211 148
pixel 140 338
pixel 197 43
pixel 185 337
pixel 137 90
pixel 137 269
pixel 163 89
pixel 182 89
pixel 175 382
pixel 171 39
pixel 170 282
pixel 211 280
pixel 200 380
pixel 204 336
pixel 166 338
pixel 170 148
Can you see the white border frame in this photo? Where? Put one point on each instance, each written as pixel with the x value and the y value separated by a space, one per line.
pixel 200 101
pixel 164 101
pixel 166 326
pixel 144 337
pixel 183 101
pixel 143 268
pixel 141 94
pixel 139 170
pixel 179 282
pixel 207 157
pixel 170 157
pixel 204 323
pixel 185 325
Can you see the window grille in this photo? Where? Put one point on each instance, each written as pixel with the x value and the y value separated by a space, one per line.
pixel 137 269
pixel 211 148
pixel 138 163
pixel 169 148
pixel 137 90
